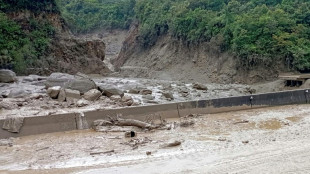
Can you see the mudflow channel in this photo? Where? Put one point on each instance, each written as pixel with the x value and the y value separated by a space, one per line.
pixel 267 140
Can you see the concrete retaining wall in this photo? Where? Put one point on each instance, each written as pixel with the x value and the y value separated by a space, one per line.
pixel 73 121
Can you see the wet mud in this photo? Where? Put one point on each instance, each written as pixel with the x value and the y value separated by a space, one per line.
pixel 231 142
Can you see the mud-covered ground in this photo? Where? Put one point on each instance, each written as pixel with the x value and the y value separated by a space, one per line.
pixel 267 140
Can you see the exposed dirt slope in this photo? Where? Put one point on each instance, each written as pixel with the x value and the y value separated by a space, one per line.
pixel 170 59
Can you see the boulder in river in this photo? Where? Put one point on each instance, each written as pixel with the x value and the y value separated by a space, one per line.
pixel 110 90
pixel 7 76
pixel 18 93
pixel 92 95
pixel 72 95
pixel 80 82
pixel 53 91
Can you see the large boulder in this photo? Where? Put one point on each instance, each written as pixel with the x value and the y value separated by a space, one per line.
pixel 58 79
pixel 53 91
pixel 92 95
pixel 7 76
pixel 110 90
pixel 72 95
pixel 62 95
pixel 18 93
pixel 79 82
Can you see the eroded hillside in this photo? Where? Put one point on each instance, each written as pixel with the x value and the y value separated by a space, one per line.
pixel 40 41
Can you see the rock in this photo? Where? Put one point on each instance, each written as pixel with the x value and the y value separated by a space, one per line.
pixel 199 86
pixel 109 91
pixel 92 95
pixel 82 102
pixel 148 97
pixel 184 95
pixel 146 91
pixel 134 91
pixel 148 153
pixel 58 79
pixel 13 124
pixel 7 76
pixel 187 123
pixel 183 90
pixel 221 139
pixel 72 95
pixel 53 91
pixel 62 95
pixel 168 95
pixel 130 134
pixel 6 142
pixel 306 84
pixel 80 82
pixel 245 142
pixel 127 100
pixel 82 85
pixel 115 98
pixel 8 105
pixel 5 93
pixel 18 93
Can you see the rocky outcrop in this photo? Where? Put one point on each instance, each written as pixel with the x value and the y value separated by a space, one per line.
pixel 7 76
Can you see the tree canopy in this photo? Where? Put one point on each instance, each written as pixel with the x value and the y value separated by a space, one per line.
pixel 257 31
pixel 22 44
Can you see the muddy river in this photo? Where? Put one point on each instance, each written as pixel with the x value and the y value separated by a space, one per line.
pixel 267 140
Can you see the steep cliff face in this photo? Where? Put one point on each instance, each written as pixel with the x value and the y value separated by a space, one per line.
pixel 65 52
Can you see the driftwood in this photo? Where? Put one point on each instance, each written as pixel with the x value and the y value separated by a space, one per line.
pixel 112 129
pixel 132 122
pixel 102 123
pixel 242 121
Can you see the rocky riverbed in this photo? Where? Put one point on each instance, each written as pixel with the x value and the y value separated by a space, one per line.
pixel 62 93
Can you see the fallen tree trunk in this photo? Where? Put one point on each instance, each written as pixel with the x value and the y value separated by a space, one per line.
pixel 131 122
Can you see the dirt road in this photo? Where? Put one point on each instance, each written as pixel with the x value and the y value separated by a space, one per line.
pixel 268 140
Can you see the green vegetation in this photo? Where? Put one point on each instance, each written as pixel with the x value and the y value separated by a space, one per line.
pixel 87 15
pixel 22 44
pixel 259 32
